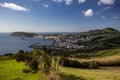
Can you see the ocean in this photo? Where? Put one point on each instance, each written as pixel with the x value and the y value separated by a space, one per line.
pixel 9 44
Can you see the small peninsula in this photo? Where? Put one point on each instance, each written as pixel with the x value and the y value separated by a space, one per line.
pixel 23 34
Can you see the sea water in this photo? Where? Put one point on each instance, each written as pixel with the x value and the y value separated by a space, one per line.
pixel 9 44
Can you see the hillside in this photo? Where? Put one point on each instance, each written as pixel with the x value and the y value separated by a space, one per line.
pixel 86 42
pixel 106 38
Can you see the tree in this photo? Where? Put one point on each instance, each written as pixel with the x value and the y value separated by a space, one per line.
pixel 41 60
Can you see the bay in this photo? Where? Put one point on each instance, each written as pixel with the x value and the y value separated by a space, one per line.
pixel 9 44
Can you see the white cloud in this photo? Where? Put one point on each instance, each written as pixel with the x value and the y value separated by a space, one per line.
pixel 45 5
pixel 103 17
pixel 81 1
pixel 114 17
pixel 13 6
pixel 57 0
pixel 67 2
pixel 88 13
pixel 106 2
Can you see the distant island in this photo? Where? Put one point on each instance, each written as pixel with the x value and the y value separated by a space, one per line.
pixel 23 34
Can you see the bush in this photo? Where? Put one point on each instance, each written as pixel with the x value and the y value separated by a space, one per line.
pixel 65 62
pixel 84 64
pixel 71 63
pixel 20 56
pixel 77 64
pixel 93 65
pixel 34 65
pixel 26 70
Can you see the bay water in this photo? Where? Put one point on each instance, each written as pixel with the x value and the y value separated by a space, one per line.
pixel 10 44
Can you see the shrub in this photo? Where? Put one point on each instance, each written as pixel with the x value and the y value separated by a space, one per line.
pixel 77 64
pixel 93 65
pixel 84 64
pixel 26 70
pixel 20 56
pixel 34 65
pixel 65 62
pixel 71 63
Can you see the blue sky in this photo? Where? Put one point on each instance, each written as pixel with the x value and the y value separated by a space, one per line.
pixel 58 15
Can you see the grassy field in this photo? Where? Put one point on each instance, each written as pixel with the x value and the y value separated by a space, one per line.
pixel 11 70
pixel 92 74
pixel 104 57
pixel 109 52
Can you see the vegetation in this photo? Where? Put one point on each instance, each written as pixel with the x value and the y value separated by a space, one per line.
pixel 69 64
pixel 40 61
pixel 110 30
pixel 77 64
pixel 93 74
pixel 109 57
pixel 11 70
pixel 23 34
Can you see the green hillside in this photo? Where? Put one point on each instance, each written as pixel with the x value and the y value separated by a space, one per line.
pixel 110 57
pixel 109 52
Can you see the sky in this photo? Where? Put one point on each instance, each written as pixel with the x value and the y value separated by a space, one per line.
pixel 58 15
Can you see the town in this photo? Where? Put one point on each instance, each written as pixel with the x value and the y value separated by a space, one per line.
pixel 73 40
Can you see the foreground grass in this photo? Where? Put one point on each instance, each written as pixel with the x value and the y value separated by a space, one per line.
pixel 11 70
pixel 92 74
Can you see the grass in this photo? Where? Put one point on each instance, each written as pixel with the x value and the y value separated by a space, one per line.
pixel 93 74
pixel 11 70
pixel 109 52
pixel 104 57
